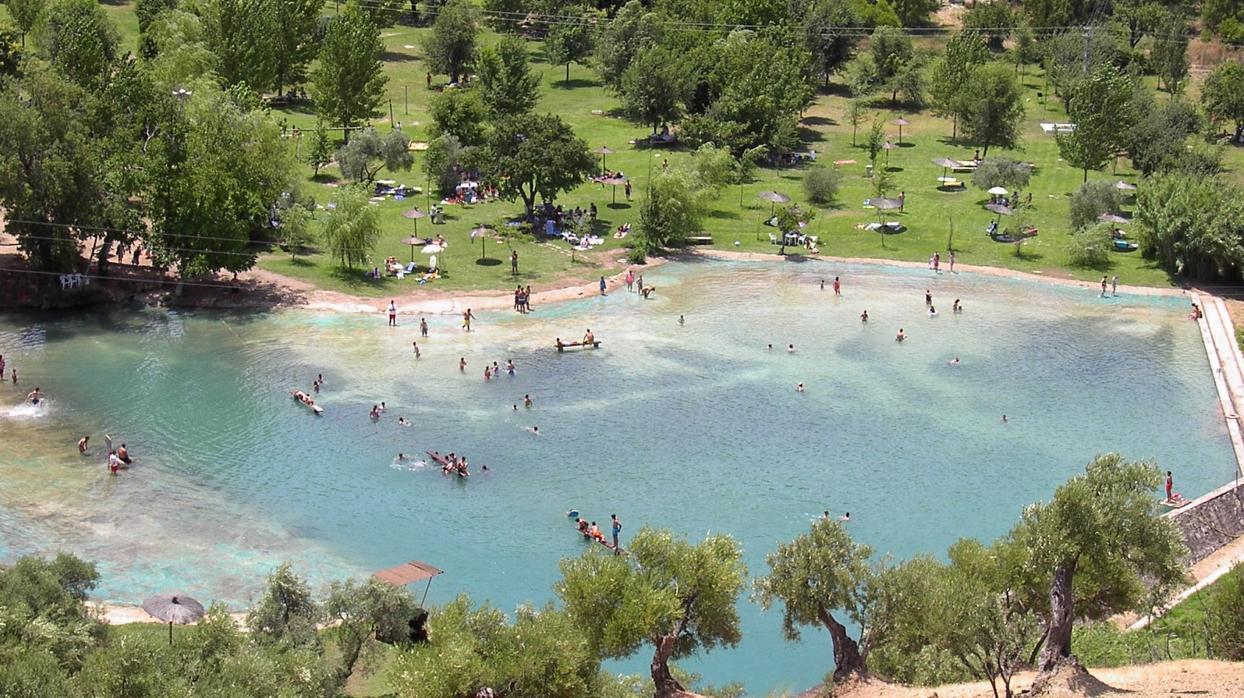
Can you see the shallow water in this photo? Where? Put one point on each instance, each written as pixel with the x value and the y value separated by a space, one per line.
pixel 695 427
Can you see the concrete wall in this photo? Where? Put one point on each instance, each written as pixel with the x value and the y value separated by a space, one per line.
pixel 1211 521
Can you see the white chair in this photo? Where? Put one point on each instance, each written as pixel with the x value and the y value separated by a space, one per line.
pixel 64 282
pixel 773 239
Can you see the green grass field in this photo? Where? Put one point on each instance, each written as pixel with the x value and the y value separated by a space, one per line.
pixel 734 221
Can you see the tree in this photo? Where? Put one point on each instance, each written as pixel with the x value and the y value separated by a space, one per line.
pixel 1101 108
pixel 1095 541
pixel 285 614
pixel 876 141
pixel 891 49
pixel 571 41
pixel 953 77
pixel 349 81
pixel 677 596
pixel 1170 54
pixel 297 25
pixel 475 651
pixel 366 153
pixel 177 52
pixel 321 151
pixel 815 576
pixel 1072 56
pixel 913 13
pixel 351 228
pixel 460 113
pixel 78 40
pixel 365 614
pixel 243 34
pixel 226 166
pixel 1223 95
pixel 538 155
pixel 450 48
pixel 652 88
pixel 992 20
pixel 828 36
pixel 1186 224
pixel 44 608
pixel 631 31
pixel 1159 140
pixel 1090 246
pixel 25 14
pixel 50 172
pixel 505 81
pixel 855 114
pixel 673 208
pixel 382 13
pixel 442 162
pixel 715 167
pixel 1091 200
pixel 1001 172
pixel 993 115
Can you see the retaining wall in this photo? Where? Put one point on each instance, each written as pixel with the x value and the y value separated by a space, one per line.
pixel 1211 521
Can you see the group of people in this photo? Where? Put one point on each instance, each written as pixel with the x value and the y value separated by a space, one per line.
pixel 491 371
pixel 457 465
pixel 522 299
pixel 117 459
pixel 592 531
pixel 935 261
pixel 12 374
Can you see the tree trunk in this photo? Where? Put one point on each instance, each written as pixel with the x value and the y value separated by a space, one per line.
pixel 847 659
pixel 567 71
pixel 1058 627
pixel 664 683
pixel 954 127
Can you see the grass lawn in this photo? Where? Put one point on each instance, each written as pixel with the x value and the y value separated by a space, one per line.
pixel 734 221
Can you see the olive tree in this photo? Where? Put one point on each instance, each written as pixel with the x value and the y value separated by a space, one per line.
pixel 1100 547
pixel 362 158
pixel 363 615
pixel 1001 172
pixel 1091 200
pixel 678 596
pixel 817 576
pixel 286 613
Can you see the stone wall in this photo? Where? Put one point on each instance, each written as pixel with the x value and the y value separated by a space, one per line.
pixel 1211 521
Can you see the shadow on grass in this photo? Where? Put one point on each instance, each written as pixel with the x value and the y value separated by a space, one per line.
pixel 575 83
pixel 727 215
pixel 819 121
pixel 618 206
pixel 301 262
pixel 906 144
pixel 810 135
pixel 893 168
pixel 396 57
pixel 357 278
pixel 487 262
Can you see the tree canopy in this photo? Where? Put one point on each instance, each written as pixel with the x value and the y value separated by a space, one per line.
pixel 451 46
pixel 348 82
pixel 504 76
pixel 533 155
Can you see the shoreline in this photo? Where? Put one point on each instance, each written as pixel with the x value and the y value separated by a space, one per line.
pixel 449 302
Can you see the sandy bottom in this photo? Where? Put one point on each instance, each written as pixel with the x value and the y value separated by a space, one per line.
pixel 1185 677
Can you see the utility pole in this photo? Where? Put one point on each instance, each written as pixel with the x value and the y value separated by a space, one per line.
pixel 392 123
pixel 1088 38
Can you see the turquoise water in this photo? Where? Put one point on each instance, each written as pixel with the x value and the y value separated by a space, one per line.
pixel 695 427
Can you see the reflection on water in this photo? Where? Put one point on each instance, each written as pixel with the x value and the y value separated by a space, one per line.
pixel 695 427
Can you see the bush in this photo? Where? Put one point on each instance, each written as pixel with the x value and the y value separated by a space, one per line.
pixel 1001 172
pixel 1091 200
pixel 821 185
pixel 1090 246
pixel 1226 614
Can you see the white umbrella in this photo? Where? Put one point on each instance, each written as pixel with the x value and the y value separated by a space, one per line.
pixel 481 232
pixel 1124 186
pixel 174 608
pixel 432 249
pixel 999 191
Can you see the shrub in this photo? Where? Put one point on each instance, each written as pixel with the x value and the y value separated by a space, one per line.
pixel 1091 200
pixel 1090 246
pixel 1226 614
pixel 821 185
pixel 1001 172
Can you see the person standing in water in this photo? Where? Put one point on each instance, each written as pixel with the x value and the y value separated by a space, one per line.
pixel 415 346
pixel 1114 286
pixel 617 528
pixel 864 316
pixel 950 261
pixel 462 364
pixel 1 367
pixel 85 440
pixel 602 285
pixel 1170 486
pixel 837 287
pixel 1103 286
pixel 822 284
pixel 682 320
pixel 928 297
pixel 423 327
pixel 467 317
pixel 392 313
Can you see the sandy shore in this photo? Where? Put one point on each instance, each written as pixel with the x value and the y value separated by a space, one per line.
pixel 434 302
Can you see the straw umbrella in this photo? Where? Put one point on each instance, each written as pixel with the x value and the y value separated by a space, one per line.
pixel 774 198
pixel 882 203
pixel 414 214
pixel 900 122
pixel 602 152
pixel 888 147
pixel 174 608
pixel 945 164
pixel 615 181
pixel 1113 218
pixel 1000 210
pixel 482 233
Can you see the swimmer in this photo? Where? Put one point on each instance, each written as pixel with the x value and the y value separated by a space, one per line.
pixel 535 430
pixel 484 467
pixel 403 422
pixel 401 457
pixel 527 401
pixel 957 307
pixel 682 320
pixel 375 412
pixel 900 336
pixel 845 517
pixel 515 407
pixel 319 378
pixel 864 316
pixel 462 364
pixel 790 348
pixel 34 396
pixel 487 373
pixel 770 347
pixel 509 366
pixel 82 444
pixel 496 370
pixel 928 297
pixel 825 514
pixel 383 406
pixel 932 311
pixel 1004 420
pixel 799 388
pixel 423 327
pixel 953 362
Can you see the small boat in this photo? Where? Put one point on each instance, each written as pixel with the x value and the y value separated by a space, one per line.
pixel 563 346
pixel 443 461
pixel 306 401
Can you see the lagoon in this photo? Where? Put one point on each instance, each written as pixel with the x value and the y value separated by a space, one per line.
pixel 695 427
